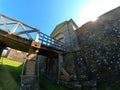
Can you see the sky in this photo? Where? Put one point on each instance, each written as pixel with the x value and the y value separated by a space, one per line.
pixel 46 14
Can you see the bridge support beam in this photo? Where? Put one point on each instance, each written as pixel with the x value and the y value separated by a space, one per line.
pixel 2 46
pixel 1 50
pixel 29 78
pixel 60 61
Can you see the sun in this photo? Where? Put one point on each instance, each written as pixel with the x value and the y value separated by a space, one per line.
pixel 94 19
pixel 93 9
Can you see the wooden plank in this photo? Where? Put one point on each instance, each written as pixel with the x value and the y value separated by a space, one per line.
pixel 36 44
pixel 14 41
pixel 12 22
pixel 65 76
pixel 23 32
pixel 14 28
pixel 17 21
pixel 4 23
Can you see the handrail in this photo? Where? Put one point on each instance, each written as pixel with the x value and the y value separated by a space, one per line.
pixel 49 41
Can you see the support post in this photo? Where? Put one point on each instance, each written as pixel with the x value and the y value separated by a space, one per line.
pixel 29 79
pixel 37 36
pixel 60 61
pixel 1 50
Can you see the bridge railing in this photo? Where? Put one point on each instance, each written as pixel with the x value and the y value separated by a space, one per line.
pixel 12 26
pixel 49 41
pixel 15 27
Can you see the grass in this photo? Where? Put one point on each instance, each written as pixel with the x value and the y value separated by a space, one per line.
pixel 10 77
pixel 48 85
pixel 11 62
pixel 105 86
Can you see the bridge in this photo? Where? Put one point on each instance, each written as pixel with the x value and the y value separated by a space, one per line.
pixel 23 37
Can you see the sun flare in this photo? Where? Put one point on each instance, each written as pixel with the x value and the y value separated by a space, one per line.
pixel 94 19
pixel 93 9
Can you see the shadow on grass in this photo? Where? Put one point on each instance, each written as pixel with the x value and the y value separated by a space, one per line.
pixel 48 85
pixel 106 86
pixel 10 77
pixel 10 80
pixel 15 72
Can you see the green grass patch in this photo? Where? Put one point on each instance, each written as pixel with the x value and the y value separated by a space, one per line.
pixel 10 62
pixel 10 74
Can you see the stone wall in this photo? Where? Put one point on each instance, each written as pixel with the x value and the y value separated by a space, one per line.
pixel 67 29
pixel 16 55
pixel 92 51
pixel 99 53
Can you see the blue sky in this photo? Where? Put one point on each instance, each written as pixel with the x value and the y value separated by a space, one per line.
pixel 46 14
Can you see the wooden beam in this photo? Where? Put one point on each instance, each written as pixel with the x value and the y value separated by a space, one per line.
pixel 23 32
pixel 14 28
pixel 36 44
pixel 12 22
pixel 17 21
pixel 24 29
pixel 4 23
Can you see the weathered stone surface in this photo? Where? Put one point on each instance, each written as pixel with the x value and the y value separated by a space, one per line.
pixel 66 30
pixel 99 44
pixel 16 55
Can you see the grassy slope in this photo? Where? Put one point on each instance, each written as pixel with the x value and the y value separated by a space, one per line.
pixel 10 77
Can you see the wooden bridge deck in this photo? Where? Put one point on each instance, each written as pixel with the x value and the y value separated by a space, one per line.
pixel 22 44
pixel 18 35
pixel 14 41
